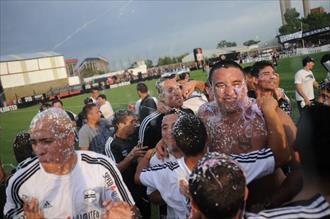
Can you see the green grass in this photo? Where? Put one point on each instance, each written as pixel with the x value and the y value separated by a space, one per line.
pixel 12 122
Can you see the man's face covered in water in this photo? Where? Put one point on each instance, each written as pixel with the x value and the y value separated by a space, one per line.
pixel 229 89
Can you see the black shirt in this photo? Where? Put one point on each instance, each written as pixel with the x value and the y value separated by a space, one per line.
pixel 151 128
pixel 147 106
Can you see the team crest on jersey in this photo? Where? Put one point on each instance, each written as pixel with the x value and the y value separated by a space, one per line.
pixel 90 195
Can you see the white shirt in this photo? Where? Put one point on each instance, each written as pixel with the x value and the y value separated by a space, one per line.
pixel 306 79
pixel 106 110
pixel 78 194
pixel 165 178
pixel 194 101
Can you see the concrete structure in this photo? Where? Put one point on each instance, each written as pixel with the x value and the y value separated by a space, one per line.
pixel 33 74
pixel 70 66
pixel 213 53
pixel 306 7
pixel 284 5
pixel 94 65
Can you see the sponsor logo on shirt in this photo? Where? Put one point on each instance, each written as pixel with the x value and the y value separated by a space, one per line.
pixel 88 215
pixel 90 196
pixel 46 204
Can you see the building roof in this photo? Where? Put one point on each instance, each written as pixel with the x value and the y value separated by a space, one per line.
pixel 71 60
pixel 24 56
pixel 93 59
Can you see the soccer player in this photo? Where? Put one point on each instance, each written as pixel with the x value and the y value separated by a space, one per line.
pixel 61 182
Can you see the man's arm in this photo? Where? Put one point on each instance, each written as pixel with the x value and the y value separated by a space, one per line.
pixel 143 164
pixel 316 84
pixel 300 91
pixel 135 153
pixel 276 134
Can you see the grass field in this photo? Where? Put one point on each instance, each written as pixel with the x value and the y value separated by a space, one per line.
pixel 12 122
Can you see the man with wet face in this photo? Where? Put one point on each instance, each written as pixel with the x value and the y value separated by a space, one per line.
pixel 170 97
pixel 60 182
pixel 239 125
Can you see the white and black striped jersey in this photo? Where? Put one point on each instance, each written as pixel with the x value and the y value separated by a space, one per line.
pixel 256 164
pixel 165 177
pixel 78 194
pixel 316 207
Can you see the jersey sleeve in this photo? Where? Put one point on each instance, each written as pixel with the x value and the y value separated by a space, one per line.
pixel 14 205
pixel 256 164
pixel 298 78
pixel 157 177
pixel 115 187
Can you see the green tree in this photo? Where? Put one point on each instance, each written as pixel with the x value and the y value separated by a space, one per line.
pixel 148 63
pixel 317 20
pixel 226 44
pixel 250 42
pixel 293 22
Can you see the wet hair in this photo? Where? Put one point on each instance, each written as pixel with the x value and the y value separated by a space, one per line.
pixel 120 116
pixel 313 140
pixel 88 108
pixel 57 101
pixel 59 121
pixel 22 146
pixel 142 87
pixel 190 134
pixel 217 186
pixel 102 96
pixel 223 64
pixel 258 66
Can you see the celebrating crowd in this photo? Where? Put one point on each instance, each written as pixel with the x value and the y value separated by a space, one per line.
pixel 224 148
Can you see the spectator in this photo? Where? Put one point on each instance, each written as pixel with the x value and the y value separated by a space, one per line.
pixel 125 151
pixel 170 97
pixel 94 134
pixel 146 104
pixel 57 103
pixel 305 81
pixel 81 118
pixel 251 81
pixel 80 176
pixel 94 95
pixel 105 106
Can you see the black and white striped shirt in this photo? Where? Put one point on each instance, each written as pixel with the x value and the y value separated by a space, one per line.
pixel 95 178
pixel 316 207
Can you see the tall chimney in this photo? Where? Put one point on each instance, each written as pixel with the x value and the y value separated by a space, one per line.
pixel 284 5
pixel 306 7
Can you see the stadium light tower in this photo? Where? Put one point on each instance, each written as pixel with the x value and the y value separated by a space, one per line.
pixel 284 5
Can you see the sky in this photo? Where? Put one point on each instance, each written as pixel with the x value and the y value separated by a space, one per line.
pixel 127 31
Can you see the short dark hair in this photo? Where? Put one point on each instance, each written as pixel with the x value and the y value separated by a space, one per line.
pixel 306 60
pixel 223 64
pixel 313 139
pixel 88 100
pixel 217 186
pixel 102 96
pixel 248 71
pixel 258 66
pixel 57 101
pixel 88 107
pixel 120 116
pixel 190 134
pixel 142 87
pixel 94 89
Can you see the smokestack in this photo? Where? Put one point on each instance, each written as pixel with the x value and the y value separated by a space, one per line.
pixel 306 7
pixel 284 5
